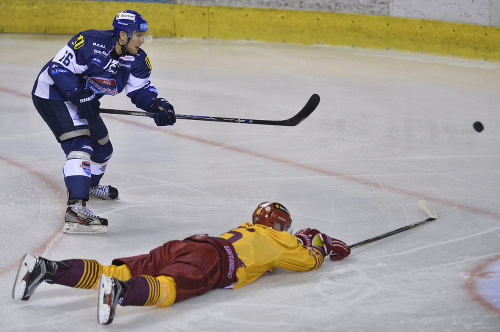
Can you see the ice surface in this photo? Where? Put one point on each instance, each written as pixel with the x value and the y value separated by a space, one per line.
pixel 391 128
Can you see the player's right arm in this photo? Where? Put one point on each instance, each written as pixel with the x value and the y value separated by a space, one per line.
pixel 68 63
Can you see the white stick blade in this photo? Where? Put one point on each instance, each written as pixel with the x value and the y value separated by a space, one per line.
pixel 427 208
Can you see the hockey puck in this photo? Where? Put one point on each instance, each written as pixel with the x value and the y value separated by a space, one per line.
pixel 478 126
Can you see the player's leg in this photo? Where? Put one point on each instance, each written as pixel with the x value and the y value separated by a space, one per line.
pixel 103 150
pixel 76 273
pixel 138 291
pixel 74 135
pixel 77 176
pixel 182 268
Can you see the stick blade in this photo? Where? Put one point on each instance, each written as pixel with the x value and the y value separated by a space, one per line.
pixel 310 106
pixel 427 208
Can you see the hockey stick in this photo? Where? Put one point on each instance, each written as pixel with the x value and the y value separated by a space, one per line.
pixel 423 204
pixel 310 106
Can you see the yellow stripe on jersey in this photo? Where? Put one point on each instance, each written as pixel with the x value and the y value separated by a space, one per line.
pixel 90 274
pixel 78 42
pixel 148 63
pixel 261 249
pixel 154 290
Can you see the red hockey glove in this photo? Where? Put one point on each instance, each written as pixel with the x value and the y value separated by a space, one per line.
pixel 337 249
pixel 306 235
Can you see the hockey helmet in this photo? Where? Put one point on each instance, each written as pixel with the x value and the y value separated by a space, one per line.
pixel 273 215
pixel 129 21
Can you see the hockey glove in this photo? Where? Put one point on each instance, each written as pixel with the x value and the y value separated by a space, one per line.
pixel 337 249
pixel 87 105
pixel 164 112
pixel 306 235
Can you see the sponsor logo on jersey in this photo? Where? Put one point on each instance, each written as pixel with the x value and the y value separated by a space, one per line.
pixel 78 42
pixel 100 52
pixel 98 45
pixel 97 61
pixel 100 85
pixel 106 63
pixel 230 272
pixel 85 165
pixel 128 58
pixel 58 70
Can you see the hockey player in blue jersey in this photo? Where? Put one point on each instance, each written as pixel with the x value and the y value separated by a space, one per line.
pixel 66 93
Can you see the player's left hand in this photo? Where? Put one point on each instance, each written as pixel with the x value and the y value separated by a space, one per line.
pixel 86 102
pixel 336 249
pixel 306 235
pixel 164 112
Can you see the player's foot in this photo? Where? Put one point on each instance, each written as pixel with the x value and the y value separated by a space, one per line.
pixel 110 291
pixel 31 273
pixel 81 220
pixel 104 192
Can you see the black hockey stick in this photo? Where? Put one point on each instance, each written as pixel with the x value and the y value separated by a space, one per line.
pixel 310 106
pixel 423 204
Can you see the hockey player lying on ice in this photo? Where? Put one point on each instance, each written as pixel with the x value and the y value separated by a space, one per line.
pixel 178 270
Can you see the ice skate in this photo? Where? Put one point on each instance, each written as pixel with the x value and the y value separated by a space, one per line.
pixel 110 291
pixel 104 192
pixel 31 273
pixel 81 220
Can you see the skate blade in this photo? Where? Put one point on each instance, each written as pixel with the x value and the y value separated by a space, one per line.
pixel 26 266
pixel 103 307
pixel 77 228
pixel 99 198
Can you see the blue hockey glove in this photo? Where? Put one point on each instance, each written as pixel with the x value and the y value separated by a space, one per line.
pixel 87 105
pixel 164 112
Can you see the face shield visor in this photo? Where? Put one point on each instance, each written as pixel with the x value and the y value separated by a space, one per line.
pixel 144 34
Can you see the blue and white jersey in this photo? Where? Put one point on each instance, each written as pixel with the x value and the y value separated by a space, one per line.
pixel 86 62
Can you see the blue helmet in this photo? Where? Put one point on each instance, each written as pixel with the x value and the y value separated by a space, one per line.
pixel 129 21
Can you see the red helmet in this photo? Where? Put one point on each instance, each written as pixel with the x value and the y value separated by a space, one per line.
pixel 273 215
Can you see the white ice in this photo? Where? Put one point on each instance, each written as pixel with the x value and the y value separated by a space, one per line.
pixel 391 128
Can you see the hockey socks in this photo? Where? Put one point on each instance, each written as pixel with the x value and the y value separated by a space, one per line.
pixel 78 273
pixel 142 291
pixel 77 178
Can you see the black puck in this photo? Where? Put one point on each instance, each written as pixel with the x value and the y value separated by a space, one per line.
pixel 478 126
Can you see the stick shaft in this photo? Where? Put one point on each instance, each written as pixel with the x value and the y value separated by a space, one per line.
pixel 394 232
pixel 423 204
pixel 310 106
